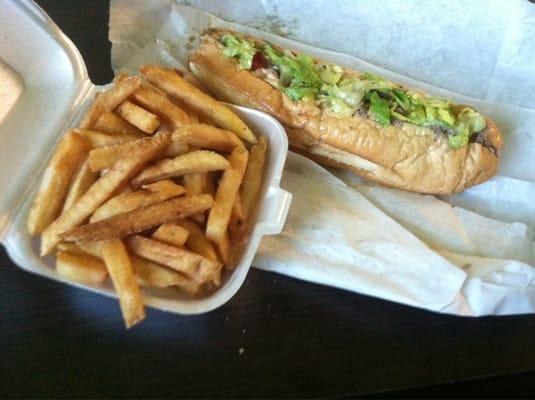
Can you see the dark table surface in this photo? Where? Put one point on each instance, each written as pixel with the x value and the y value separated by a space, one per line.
pixel 276 337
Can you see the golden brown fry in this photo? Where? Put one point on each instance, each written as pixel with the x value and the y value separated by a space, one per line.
pixel 193 265
pixel 104 157
pixel 219 216
pixel 223 248
pixel 156 275
pixel 237 209
pixel 70 248
pixel 172 234
pixel 159 104
pixel 140 219
pixel 207 137
pixel 199 218
pixel 195 161
pixel 172 84
pixel 110 123
pixel 100 139
pixel 102 190
pixel 93 248
pixel 175 149
pixel 133 200
pixel 192 114
pixel 82 179
pixel 110 99
pixel 238 226
pixel 197 241
pixel 189 77
pixel 81 268
pixel 139 117
pixel 122 275
pixel 125 188
pixel 195 183
pixel 253 176
pixel 166 185
pixel 55 182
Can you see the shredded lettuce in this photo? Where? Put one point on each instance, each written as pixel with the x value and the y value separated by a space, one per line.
pixel 339 107
pixel 468 122
pixel 300 92
pixel 330 74
pixel 243 50
pixel 379 110
pixel 297 74
pixel 301 78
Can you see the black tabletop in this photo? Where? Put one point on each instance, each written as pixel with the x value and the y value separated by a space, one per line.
pixel 276 337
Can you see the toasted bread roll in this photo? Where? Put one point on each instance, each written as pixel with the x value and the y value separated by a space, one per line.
pixel 401 155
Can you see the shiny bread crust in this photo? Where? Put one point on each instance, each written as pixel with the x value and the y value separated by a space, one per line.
pixel 404 156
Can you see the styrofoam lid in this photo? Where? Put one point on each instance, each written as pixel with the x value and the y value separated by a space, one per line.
pixel 44 80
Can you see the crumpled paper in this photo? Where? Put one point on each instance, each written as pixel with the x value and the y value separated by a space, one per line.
pixel 471 259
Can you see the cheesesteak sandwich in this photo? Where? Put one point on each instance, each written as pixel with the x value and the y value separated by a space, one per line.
pixel 382 131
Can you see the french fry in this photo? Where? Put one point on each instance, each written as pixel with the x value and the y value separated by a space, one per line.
pixel 131 201
pixel 104 157
pixel 172 84
pixel 191 264
pixel 139 117
pixel 195 182
pixel 193 116
pixel 156 275
pixel 192 79
pixel 82 179
pixel 219 216
pixel 252 180
pixel 93 248
pixel 122 275
pixel 110 123
pixel 50 197
pixel 172 234
pixel 195 161
pixel 223 248
pixel 175 149
pixel 101 190
pixel 101 139
pixel 149 273
pixel 207 137
pixel 166 185
pixel 125 188
pixel 70 248
pixel 238 226
pixel 199 219
pixel 159 104
pixel 109 100
pixel 81 268
pixel 140 219
pixel 197 241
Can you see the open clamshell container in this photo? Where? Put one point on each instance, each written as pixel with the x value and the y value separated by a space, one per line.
pixel 41 66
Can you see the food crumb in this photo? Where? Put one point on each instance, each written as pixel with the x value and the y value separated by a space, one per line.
pixel 241 350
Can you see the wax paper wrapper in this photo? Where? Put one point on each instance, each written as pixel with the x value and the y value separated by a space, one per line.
pixel 468 254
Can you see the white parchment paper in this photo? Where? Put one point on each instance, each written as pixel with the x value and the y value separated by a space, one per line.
pixel 472 259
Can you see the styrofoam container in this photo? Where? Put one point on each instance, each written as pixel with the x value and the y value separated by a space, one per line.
pixel 56 90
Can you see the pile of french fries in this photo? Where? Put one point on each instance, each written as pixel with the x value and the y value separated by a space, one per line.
pixel 156 187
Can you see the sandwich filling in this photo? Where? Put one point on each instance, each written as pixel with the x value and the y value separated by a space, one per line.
pixel 342 94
